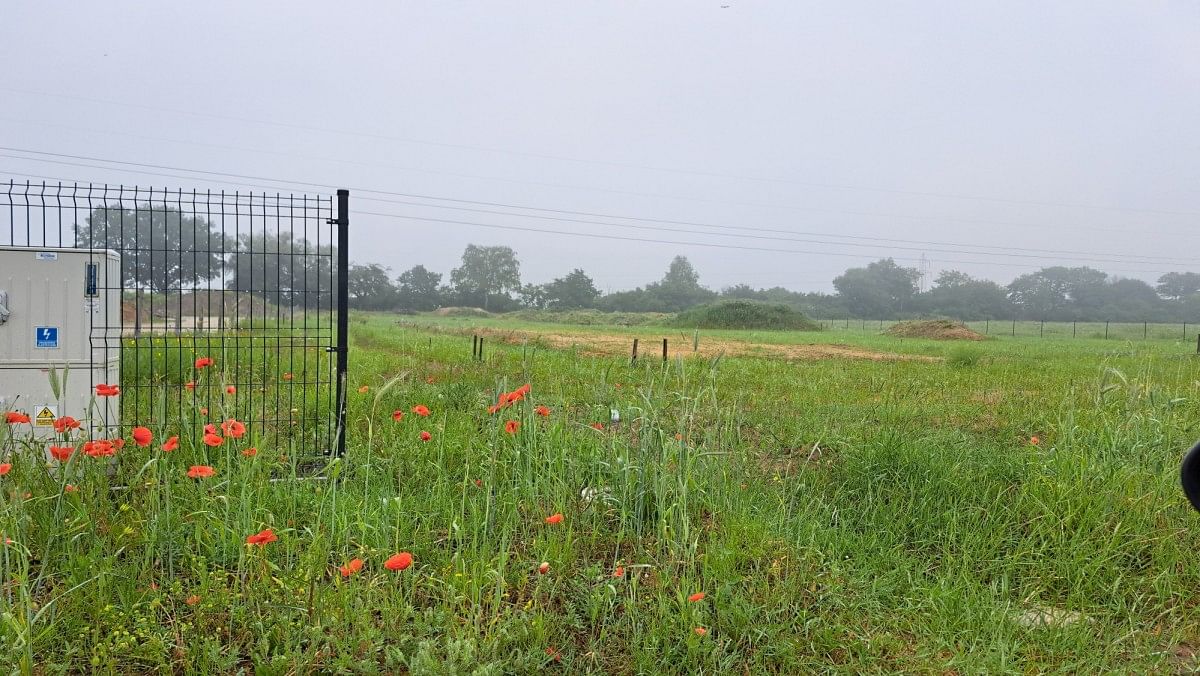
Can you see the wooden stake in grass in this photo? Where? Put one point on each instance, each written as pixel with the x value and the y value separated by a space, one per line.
pixel 664 350
pixel 633 360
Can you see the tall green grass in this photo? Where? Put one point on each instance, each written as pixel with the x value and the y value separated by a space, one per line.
pixel 841 515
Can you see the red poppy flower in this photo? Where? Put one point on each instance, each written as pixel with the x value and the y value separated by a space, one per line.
pixel 524 389
pixel 119 443
pixel 230 389
pixel 192 600
pixel 597 426
pixel 190 386
pixel 429 380
pixel 262 537
pixel 398 561
pixel 619 573
pixel 204 410
pixel 288 376
pixel 200 472
pixel 542 411
pixel 512 426
pixel 5 468
pixel 61 453
pixel 700 631
pixel 425 436
pixel 171 444
pixel 65 423
pixel 544 568
pixel 142 436
pixel 204 362
pixel 233 428
pixel 492 409
pixel 99 448
pixel 421 410
pixel 479 483
pixel 698 596
pixel 212 440
pixel 1033 440
pixel 14 417
pixel 103 390
pixel 250 452
pixel 351 568
pixel 554 518
pixel 678 437
pixel 70 488
pixel 553 653
pixel 397 415
pixel 364 389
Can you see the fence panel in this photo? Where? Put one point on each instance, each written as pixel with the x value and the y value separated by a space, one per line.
pixel 254 281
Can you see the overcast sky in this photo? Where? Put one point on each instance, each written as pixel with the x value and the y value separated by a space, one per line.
pixel 1070 130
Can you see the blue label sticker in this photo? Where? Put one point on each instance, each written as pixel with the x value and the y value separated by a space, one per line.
pixel 46 336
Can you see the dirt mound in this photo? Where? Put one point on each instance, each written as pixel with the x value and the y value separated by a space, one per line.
pixel 934 329
pixel 461 312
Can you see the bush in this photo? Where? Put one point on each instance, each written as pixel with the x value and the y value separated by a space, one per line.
pixel 745 314
pixel 964 356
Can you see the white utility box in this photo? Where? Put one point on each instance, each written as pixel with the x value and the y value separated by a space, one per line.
pixel 60 308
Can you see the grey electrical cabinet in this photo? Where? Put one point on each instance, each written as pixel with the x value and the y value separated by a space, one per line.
pixel 60 308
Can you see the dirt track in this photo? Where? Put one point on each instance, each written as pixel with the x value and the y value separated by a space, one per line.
pixel 598 344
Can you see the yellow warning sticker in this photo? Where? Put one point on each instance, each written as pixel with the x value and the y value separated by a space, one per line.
pixel 45 416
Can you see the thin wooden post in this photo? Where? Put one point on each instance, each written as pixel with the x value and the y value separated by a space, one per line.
pixel 987 325
pixel 1042 329
pixel 633 360
pixel 1072 329
pixel 1145 330
pixel 1106 330
pixel 1198 343
pixel 1014 328
pixel 664 350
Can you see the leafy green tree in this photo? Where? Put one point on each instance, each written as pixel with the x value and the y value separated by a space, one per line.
pixel 679 288
pixel 161 248
pixel 882 290
pixel 487 275
pixel 1176 285
pixel 575 290
pixel 370 288
pixel 958 295
pixel 285 270
pixel 417 289
pixel 1056 292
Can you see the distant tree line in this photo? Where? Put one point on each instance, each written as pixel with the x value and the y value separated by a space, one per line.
pixel 489 277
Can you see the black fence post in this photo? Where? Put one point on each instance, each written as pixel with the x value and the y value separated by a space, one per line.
pixel 986 326
pixel 1073 329
pixel 1145 330
pixel 1106 330
pixel 343 316
pixel 664 350
pixel 1014 330
pixel 633 360
pixel 1042 329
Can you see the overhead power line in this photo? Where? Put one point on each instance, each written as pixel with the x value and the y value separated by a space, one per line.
pixel 710 245
pixel 563 158
pixel 693 199
pixel 892 243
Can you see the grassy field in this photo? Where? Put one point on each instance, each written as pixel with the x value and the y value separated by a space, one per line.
pixel 845 514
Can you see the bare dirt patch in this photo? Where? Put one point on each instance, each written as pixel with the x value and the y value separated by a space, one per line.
pixel 597 344
pixel 934 329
